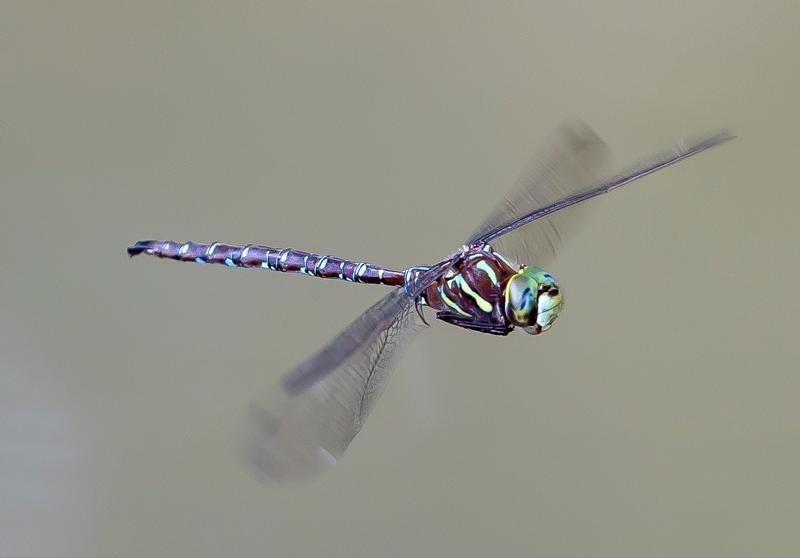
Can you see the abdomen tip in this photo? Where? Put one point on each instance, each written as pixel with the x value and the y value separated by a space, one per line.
pixel 140 247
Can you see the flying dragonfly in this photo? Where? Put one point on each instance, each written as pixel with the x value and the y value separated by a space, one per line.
pixel 305 424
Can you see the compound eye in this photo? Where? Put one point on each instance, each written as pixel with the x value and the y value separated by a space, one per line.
pixel 520 300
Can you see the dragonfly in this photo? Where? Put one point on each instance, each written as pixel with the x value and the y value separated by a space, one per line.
pixel 304 425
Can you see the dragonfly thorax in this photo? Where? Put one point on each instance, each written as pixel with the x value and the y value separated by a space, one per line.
pixel 486 292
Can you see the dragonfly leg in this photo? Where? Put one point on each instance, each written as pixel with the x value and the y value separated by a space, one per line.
pixel 468 323
pixel 418 308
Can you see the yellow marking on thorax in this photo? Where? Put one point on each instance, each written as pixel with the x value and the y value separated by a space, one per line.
pixel 482 304
pixel 450 303
pixel 486 268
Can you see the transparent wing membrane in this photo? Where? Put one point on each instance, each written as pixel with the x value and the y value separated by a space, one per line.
pixel 305 424
pixel 573 158
pixel 542 218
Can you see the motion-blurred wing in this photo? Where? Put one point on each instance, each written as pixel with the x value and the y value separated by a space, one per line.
pixel 543 215
pixel 304 425
pixel 573 157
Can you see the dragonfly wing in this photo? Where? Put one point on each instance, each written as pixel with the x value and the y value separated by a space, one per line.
pixel 573 157
pixel 304 426
pixel 537 216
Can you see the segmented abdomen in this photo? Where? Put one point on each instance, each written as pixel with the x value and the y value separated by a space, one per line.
pixel 274 259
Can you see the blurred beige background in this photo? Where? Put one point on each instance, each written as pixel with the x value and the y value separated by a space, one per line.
pixel 661 415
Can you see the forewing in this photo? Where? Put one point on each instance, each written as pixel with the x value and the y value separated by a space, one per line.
pixel 547 212
pixel 573 157
pixel 305 424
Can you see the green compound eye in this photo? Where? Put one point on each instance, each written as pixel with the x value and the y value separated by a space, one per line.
pixel 520 298
pixel 532 300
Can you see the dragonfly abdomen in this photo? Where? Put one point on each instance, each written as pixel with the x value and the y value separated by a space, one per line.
pixel 287 260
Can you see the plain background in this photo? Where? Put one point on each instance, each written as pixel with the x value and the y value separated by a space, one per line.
pixel 660 417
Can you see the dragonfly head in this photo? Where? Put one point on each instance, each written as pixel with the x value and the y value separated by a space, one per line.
pixel 532 300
